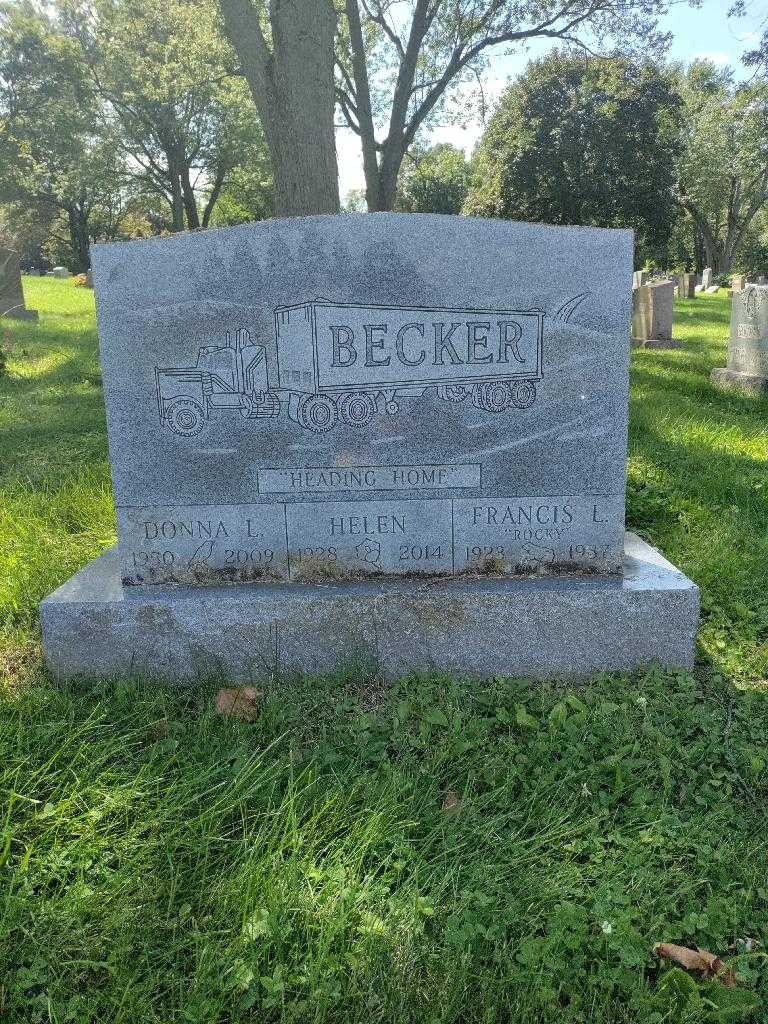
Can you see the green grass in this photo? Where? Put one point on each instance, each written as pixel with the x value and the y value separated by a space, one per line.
pixel 158 864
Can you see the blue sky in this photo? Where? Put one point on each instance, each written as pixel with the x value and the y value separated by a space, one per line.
pixel 703 32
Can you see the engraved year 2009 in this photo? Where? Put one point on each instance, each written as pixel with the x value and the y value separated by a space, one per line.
pixel 248 556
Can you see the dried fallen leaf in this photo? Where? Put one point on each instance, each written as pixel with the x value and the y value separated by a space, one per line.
pixel 450 800
pixel 238 702
pixel 158 730
pixel 701 960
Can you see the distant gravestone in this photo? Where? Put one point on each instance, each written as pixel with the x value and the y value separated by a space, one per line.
pixel 706 278
pixel 652 315
pixel 11 292
pixel 737 282
pixel 60 272
pixel 378 434
pixel 761 279
pixel 747 367
pixel 89 278
pixel 686 285
pixel 639 278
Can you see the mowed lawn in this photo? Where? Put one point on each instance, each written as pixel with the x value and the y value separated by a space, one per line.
pixel 434 850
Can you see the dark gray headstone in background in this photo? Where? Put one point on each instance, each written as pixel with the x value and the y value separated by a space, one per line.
pixel 652 314
pixel 11 292
pixel 686 286
pixel 345 396
pixel 747 366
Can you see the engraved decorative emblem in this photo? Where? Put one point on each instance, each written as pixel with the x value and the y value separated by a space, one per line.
pixel 344 362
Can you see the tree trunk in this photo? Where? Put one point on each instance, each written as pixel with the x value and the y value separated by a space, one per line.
pixel 364 113
pixel 294 92
pixel 213 196
pixel 78 234
pixel 698 250
pixel 190 200
pixel 391 159
pixel 177 200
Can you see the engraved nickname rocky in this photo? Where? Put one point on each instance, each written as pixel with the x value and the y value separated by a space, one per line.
pixel 337 398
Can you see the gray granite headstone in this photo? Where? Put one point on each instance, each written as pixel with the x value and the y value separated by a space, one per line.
pixel 748 344
pixel 11 292
pixel 652 314
pixel 60 272
pixel 364 395
pixel 686 284
pixel 388 436
pixel 706 277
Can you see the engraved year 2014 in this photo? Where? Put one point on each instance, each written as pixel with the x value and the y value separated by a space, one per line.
pixel 420 552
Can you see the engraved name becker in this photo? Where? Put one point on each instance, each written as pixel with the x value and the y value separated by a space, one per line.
pixel 347 361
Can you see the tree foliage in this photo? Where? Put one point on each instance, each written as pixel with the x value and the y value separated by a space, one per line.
pixel 434 180
pixel 169 85
pixel 399 63
pixel 723 172
pixel 55 158
pixel 578 140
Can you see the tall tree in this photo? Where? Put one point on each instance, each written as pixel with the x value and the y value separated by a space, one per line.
pixel 286 55
pixel 54 160
pixel 398 62
pixel 606 157
pixel 435 180
pixel 184 117
pixel 723 174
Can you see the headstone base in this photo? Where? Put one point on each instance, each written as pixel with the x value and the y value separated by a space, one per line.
pixel 22 314
pixel 540 628
pixel 751 383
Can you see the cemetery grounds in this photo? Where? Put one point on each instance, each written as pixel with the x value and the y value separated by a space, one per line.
pixel 428 851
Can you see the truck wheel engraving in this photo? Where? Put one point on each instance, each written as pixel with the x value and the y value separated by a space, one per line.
pixel 492 395
pixel 523 394
pixel 317 412
pixel 357 408
pixel 452 392
pixel 185 417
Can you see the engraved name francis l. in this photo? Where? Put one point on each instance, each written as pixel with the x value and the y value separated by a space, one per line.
pixel 347 361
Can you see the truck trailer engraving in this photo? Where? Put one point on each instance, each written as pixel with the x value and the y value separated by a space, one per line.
pixel 348 361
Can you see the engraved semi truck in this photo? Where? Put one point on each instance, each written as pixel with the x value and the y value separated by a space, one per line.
pixel 348 361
